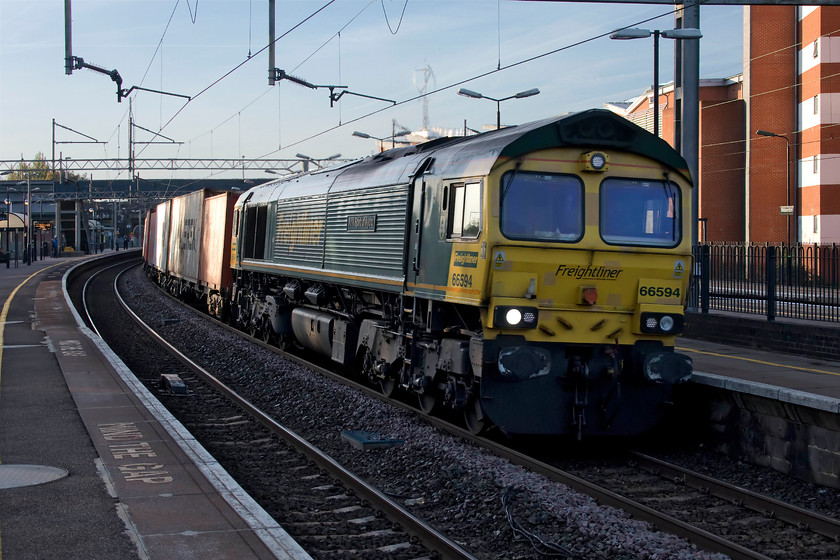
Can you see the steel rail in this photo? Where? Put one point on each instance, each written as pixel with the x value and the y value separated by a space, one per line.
pixel 821 524
pixel 703 539
pixel 85 289
pixel 666 523
pixel 429 536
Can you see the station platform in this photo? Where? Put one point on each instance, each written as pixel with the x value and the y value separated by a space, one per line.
pixel 798 380
pixel 770 409
pixel 91 466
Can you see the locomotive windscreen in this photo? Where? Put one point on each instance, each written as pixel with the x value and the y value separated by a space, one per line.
pixel 542 206
pixel 640 212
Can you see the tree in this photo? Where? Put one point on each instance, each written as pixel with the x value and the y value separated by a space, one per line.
pixel 39 170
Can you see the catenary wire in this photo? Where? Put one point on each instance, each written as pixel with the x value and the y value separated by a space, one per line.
pixel 238 66
pixel 414 98
pixel 475 77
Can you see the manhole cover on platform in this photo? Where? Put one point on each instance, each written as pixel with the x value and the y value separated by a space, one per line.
pixel 15 476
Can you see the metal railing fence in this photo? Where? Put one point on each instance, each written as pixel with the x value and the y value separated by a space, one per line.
pixel 791 281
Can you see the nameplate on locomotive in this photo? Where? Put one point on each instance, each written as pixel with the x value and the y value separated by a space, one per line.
pixel 361 222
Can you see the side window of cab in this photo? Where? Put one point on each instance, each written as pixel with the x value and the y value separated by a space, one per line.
pixel 464 210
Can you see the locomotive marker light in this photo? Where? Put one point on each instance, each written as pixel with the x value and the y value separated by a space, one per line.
pixel 475 95
pixel 661 323
pixel 635 33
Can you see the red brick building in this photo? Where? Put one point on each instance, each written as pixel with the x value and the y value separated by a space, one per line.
pixel 784 184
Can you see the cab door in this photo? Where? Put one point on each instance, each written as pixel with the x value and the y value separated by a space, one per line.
pixel 418 236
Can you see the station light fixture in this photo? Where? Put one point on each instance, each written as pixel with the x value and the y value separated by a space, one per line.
pixel 676 34
pixel 475 95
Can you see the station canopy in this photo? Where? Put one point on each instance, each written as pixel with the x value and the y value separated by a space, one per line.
pixel 15 221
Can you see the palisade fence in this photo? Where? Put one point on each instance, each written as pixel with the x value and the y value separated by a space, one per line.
pixel 791 281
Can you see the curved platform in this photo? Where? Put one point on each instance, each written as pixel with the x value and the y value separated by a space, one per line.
pixel 139 486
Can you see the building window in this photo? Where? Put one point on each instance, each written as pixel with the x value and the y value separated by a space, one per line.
pixel 816 164
pixel 816 48
pixel 816 224
pixel 816 104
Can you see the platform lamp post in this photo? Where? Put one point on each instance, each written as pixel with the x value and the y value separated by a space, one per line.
pixel 8 211
pixel 677 34
pixel 27 236
pixel 787 170
pixel 276 171
pixel 392 138
pixel 475 95
pixel 28 215
pixel 306 160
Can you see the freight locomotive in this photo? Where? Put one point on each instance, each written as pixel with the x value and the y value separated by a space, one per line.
pixel 532 278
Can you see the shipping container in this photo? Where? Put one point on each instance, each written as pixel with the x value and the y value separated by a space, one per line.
pixel 187 214
pixel 214 268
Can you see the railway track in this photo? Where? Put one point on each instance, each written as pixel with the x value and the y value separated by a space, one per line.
pixel 714 515
pixel 329 511
pixel 675 501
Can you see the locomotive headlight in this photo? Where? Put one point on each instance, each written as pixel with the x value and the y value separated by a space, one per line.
pixel 661 323
pixel 515 317
pixel 595 161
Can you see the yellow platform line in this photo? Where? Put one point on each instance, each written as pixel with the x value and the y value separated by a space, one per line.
pixel 757 361
pixel 5 312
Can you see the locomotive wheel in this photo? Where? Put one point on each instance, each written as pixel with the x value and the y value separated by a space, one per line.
pixel 388 386
pixel 233 315
pixel 474 417
pixel 267 332
pixel 427 402
pixel 283 341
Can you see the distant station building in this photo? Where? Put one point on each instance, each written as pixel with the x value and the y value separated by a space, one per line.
pixel 782 184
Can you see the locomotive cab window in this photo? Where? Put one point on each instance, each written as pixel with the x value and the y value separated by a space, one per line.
pixel 464 210
pixel 541 207
pixel 254 236
pixel 640 212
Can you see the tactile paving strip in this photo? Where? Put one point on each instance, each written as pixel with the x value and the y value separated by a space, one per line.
pixel 15 476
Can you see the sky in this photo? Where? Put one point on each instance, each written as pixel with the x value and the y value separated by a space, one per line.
pixel 215 52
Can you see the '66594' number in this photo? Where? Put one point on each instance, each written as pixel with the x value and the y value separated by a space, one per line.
pixel 659 291
pixel 462 280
